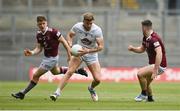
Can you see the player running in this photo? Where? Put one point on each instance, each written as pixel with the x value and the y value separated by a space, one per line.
pixel 90 37
pixel 154 47
pixel 48 39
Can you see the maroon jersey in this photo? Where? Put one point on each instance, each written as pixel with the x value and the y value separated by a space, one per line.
pixel 49 41
pixel 150 44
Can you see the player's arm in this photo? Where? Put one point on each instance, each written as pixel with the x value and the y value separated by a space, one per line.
pixel 66 46
pixel 70 36
pixel 139 49
pixel 36 50
pixel 100 46
pixel 157 61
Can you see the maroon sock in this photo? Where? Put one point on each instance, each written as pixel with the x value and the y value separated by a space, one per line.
pixel 63 70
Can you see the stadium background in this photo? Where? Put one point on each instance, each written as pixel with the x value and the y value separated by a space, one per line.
pixel 119 19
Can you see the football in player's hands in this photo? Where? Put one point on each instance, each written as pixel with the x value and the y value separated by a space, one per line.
pixel 75 49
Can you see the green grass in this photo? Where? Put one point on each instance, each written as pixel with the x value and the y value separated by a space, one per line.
pixel 75 96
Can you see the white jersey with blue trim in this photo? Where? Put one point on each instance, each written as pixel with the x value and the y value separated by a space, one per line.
pixel 87 38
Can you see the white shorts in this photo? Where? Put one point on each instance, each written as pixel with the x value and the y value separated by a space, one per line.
pixel 161 70
pixel 49 62
pixel 90 58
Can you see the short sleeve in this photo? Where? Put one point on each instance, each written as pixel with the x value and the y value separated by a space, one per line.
pixel 98 33
pixel 155 43
pixel 74 28
pixel 57 34
pixel 38 39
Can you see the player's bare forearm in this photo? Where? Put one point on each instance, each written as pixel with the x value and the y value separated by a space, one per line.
pixel 100 46
pixel 70 36
pixel 36 50
pixel 139 49
pixel 158 58
pixel 157 62
pixel 97 49
pixel 66 46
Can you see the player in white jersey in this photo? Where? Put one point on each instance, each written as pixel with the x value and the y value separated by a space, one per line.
pixel 90 37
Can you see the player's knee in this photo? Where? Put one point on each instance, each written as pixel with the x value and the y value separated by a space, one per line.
pixel 97 79
pixel 139 75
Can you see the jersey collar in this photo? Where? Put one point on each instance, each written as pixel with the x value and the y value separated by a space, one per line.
pixel 151 32
pixel 43 33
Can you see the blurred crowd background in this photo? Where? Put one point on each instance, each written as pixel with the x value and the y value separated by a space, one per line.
pixel 119 19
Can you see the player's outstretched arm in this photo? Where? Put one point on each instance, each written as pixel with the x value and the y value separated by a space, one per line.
pixel 139 49
pixel 70 36
pixel 36 50
pixel 66 46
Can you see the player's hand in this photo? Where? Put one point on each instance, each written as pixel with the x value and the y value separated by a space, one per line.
pixel 130 48
pixel 154 74
pixel 28 52
pixel 83 51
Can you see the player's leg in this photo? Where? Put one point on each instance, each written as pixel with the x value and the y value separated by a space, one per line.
pixel 73 65
pixel 142 75
pixel 95 70
pixel 32 84
pixel 150 95
pixel 149 89
pixel 62 70
pixel 149 81
pixel 58 70
pixel 46 65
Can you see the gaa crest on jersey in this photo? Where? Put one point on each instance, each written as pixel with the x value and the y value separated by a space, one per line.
pixel 86 41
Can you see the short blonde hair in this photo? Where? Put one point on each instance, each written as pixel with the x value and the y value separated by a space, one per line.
pixel 88 16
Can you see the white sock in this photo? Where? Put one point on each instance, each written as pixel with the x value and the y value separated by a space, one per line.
pixel 58 91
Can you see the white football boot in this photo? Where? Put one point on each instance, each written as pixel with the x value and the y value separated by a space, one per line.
pixel 140 98
pixel 94 95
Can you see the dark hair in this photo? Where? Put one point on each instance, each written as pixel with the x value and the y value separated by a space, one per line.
pixel 41 18
pixel 147 23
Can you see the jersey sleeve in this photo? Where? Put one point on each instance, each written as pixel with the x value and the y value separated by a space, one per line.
pixel 57 34
pixel 98 33
pixel 155 42
pixel 38 39
pixel 74 28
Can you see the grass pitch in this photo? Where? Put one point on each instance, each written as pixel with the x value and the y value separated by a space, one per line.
pixel 112 96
